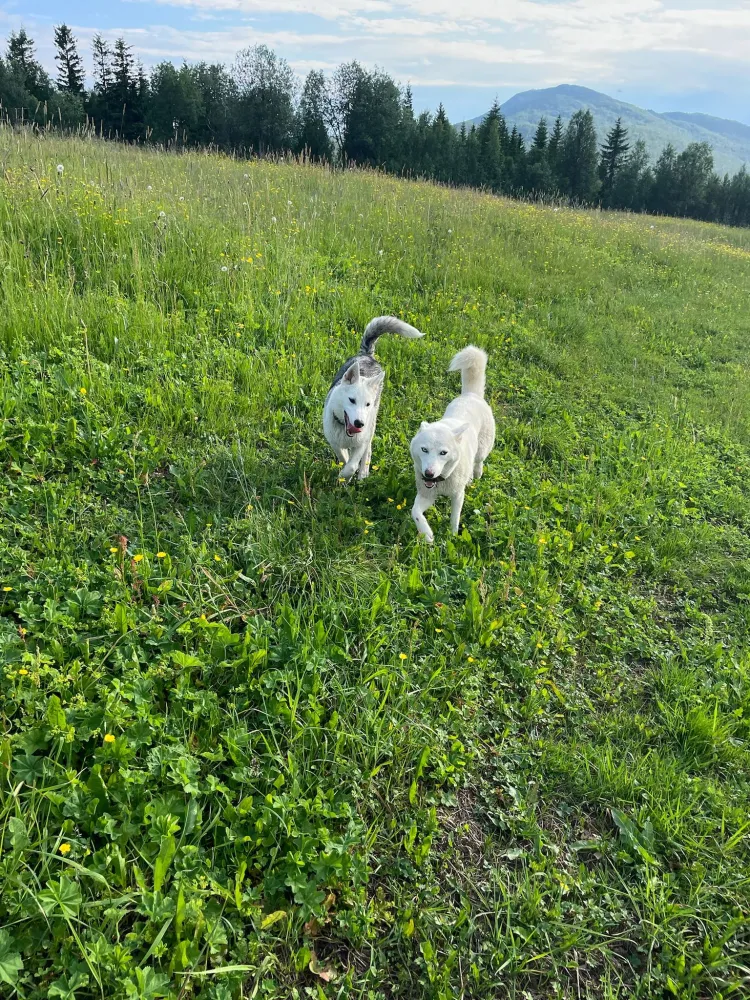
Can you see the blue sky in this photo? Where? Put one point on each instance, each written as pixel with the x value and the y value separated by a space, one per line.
pixel 676 55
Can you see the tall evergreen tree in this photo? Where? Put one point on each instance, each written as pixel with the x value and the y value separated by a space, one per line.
pixel 538 171
pixel 70 73
pixel 539 141
pixel 102 65
pixel 490 135
pixel 614 153
pixel 578 159
pixel 23 63
pixel 265 99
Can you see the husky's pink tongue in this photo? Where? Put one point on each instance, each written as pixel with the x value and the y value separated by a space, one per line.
pixel 350 428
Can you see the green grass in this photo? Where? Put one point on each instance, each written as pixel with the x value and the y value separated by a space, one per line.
pixel 256 741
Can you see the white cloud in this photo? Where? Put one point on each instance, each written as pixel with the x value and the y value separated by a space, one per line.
pixel 667 44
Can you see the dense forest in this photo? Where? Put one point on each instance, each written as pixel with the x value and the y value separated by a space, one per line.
pixel 356 116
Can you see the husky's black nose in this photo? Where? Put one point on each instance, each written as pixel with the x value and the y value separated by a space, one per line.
pixel 359 423
pixel 429 474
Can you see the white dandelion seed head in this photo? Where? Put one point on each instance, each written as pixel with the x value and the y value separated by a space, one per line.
pixel 288 202
pixel 181 198
pixel 273 218
pixel 380 252
pixel 246 176
pixel 149 187
pixel 162 215
pixel 650 227
pixel 450 231
pixel 60 169
pixel 224 267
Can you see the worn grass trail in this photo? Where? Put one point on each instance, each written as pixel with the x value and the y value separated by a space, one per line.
pixel 254 740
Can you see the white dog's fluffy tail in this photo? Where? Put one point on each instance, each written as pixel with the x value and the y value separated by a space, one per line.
pixel 472 363
pixel 385 324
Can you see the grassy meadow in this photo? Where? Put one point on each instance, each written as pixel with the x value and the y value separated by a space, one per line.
pixel 257 742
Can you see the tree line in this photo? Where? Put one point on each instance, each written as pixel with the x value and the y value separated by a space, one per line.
pixel 357 116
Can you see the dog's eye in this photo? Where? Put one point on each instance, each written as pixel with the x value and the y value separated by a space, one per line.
pixel 352 399
pixel 443 452
pixel 425 450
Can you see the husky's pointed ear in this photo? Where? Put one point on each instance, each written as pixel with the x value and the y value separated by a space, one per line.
pixel 351 375
pixel 424 425
pixel 460 431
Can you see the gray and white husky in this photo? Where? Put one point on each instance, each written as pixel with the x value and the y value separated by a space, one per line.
pixel 351 407
pixel 451 452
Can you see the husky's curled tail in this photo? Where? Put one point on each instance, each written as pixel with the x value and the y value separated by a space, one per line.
pixel 385 324
pixel 472 363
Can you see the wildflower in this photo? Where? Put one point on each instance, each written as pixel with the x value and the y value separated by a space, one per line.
pixel 390 499
pixel 225 268
pixel 470 659
pixel 438 630
pixel 82 390
pixel 138 558
pixel 109 738
pixel 402 656
pixel 161 555
pixel 113 548
pixel 542 540
pixel 217 558
pixel 273 218
pixel 181 198
pixel 380 252
pixel 23 672
pixel 149 188
pixel 64 848
pixel 288 202
pixel 61 168
pixel 162 215
pixel 7 590
pixel 246 176
pixel 450 231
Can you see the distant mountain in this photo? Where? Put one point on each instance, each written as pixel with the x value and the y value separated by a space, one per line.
pixel 729 140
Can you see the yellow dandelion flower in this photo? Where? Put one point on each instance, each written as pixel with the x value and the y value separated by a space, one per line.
pixel 138 558
pixel 23 672
pixel 109 738
pixel 113 548
pixel 438 630
pixel 82 390
pixel 470 659
pixel 217 558
pixel 402 656
pixel 7 590
pixel 390 499
pixel 64 848
pixel 161 555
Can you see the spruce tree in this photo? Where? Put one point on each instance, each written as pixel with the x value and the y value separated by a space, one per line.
pixel 539 142
pixel 24 65
pixel 70 73
pixel 102 65
pixel 578 159
pixel 613 156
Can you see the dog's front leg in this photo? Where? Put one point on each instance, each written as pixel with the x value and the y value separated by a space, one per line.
pixel 364 465
pixel 421 504
pixel 351 466
pixel 457 502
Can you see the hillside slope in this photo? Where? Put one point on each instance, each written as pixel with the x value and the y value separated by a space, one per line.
pixel 255 740
pixel 730 140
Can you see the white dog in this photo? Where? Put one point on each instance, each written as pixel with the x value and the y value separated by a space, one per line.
pixel 351 407
pixel 451 452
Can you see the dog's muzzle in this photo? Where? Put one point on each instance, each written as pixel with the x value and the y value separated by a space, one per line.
pixel 351 429
pixel 430 483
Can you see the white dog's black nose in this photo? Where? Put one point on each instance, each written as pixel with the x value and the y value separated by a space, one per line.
pixel 429 474
pixel 359 423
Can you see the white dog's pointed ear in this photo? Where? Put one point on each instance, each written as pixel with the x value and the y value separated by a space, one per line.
pixel 424 425
pixel 351 375
pixel 460 431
